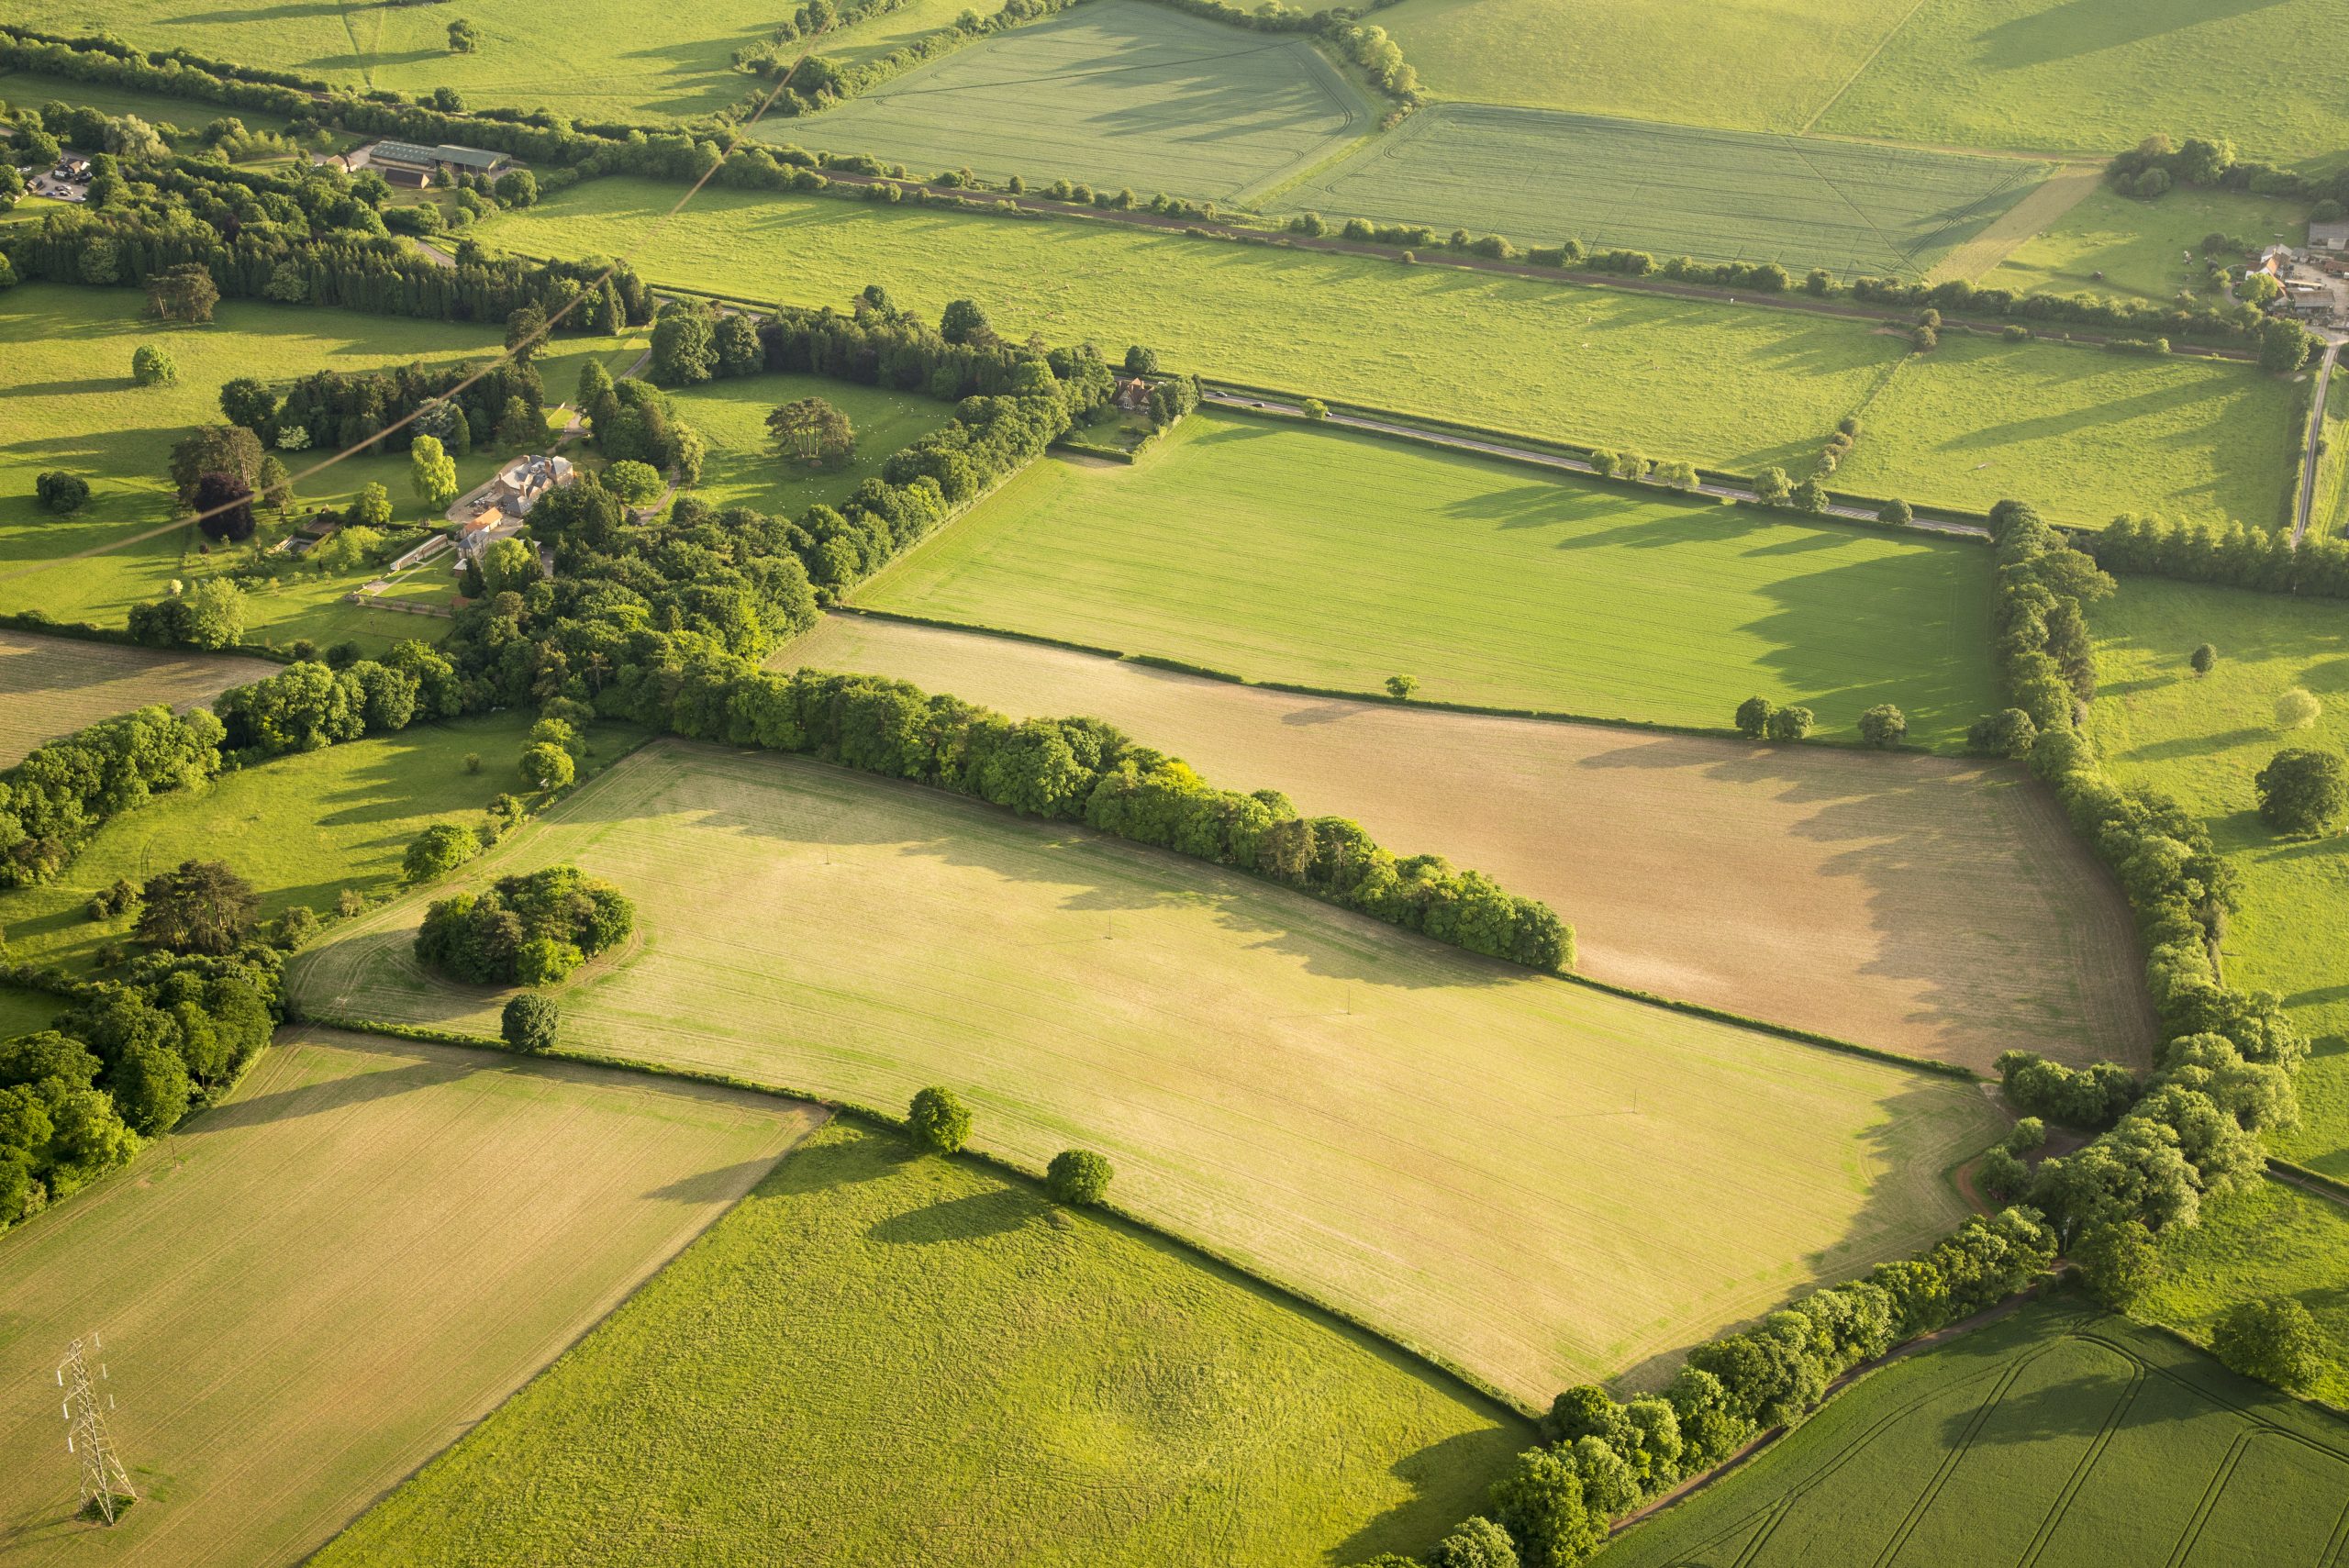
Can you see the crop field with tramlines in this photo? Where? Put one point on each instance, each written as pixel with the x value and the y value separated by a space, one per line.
pixel 1342 1106
pixel 1539 176
pixel 1114 92
pixel 54 685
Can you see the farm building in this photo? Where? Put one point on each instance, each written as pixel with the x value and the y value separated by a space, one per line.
pixel 2332 235
pixel 411 164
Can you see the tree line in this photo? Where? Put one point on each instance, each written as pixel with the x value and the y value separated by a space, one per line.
pixel 2232 554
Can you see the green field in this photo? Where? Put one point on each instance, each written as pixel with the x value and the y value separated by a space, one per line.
pixel 1539 176
pixel 1328 1101
pixel 2328 507
pixel 2058 1436
pixel 743 468
pixel 1114 92
pixel 2082 433
pixel 53 685
pixel 23 1011
pixel 2202 739
pixel 301 828
pixel 1750 64
pixel 24 89
pixel 65 376
pixel 2274 1239
pixel 307 1292
pixel 1324 558
pixel 2099 76
pixel 2110 244
pixel 932 1354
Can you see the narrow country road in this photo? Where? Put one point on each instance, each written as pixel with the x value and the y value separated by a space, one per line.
pixel 2316 439
pixel 1223 399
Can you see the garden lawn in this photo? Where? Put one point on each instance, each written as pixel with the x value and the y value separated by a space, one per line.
pixel 305 1293
pixel 66 402
pixel 1750 64
pixel 1115 93
pixel 1537 176
pixel 593 60
pixel 1739 387
pixel 2056 1435
pixel 929 1342
pixel 301 828
pixel 2113 245
pixel 744 469
pixel 2082 433
pixel 2099 76
pixel 2203 739
pixel 2275 1239
pixel 1540 1182
pixel 1924 904
pixel 1319 557
pixel 53 685
pixel 1676 378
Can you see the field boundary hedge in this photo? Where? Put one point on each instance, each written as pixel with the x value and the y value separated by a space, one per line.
pixel 890 1122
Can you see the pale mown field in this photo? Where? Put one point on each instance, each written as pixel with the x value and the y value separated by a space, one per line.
pixel 53 685
pixel 307 1292
pixel 1541 1181
pixel 1924 904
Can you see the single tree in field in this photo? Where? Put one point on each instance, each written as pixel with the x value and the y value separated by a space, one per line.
pixel 151 365
pixel 61 492
pixel 528 1022
pixel 2298 709
pixel 813 433
pixel 1883 725
pixel 2203 659
pixel 442 847
pixel 940 1120
pixel 1753 718
pixel 463 37
pixel 2275 1340
pixel 2118 1262
pixel 202 906
pixel 1078 1177
pixel 433 473
pixel 2303 792
pixel 1402 687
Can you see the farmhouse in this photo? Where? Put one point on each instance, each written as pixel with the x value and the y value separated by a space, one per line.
pixel 1133 394
pixel 519 484
pixel 410 163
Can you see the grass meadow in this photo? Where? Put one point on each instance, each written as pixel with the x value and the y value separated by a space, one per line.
pixel 2202 739
pixel 1829 874
pixel 25 1011
pixel 1327 558
pixel 1747 64
pixel 53 685
pixel 2082 433
pixel 2113 245
pixel 936 1363
pixel 1113 92
pixel 2086 74
pixel 743 468
pixel 1328 1101
pixel 305 1293
pixel 2275 1239
pixel 1538 175
pixel 22 89
pixel 1739 387
pixel 301 828
pixel 70 404
pixel 2056 1435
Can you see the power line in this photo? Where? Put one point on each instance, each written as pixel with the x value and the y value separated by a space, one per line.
pixel 741 131
pixel 106 1485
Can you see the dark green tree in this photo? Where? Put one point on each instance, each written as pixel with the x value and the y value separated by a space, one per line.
pixel 1753 717
pixel 2303 792
pixel 940 1120
pixel 2275 1340
pixel 528 1022
pixel 1078 1177
pixel 1883 725
pixel 199 906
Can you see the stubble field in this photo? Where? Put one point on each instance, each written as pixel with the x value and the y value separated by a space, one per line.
pixel 936 1363
pixel 53 685
pixel 1915 904
pixel 1445 1147
pixel 305 1293
pixel 1325 558
pixel 1539 176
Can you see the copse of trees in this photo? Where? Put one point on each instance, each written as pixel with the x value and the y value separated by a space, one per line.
pixel 526 929
pixel 2090 1097
pixel 52 801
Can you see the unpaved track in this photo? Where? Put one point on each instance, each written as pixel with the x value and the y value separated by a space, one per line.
pixel 1923 905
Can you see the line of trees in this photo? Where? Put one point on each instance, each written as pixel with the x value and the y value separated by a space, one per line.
pixel 2228 553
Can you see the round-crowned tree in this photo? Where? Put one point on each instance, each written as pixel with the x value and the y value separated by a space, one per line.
pixel 2303 791
pixel 1883 725
pixel 528 1021
pixel 1078 1177
pixel 1753 718
pixel 2203 659
pixel 61 492
pixel 200 906
pixel 547 766
pixel 1793 722
pixel 442 847
pixel 940 1120
pixel 151 365
pixel 2275 1340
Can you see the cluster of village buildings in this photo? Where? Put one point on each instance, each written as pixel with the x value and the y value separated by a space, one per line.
pixel 2315 276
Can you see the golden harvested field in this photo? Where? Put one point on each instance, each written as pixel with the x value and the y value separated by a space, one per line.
pixel 1540 1182
pixel 308 1291
pixel 53 685
pixel 1923 905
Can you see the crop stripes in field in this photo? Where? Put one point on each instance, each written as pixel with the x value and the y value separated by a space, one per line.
pixel 2193 1530
pixel 1892 247
pixel 1952 1460
pixel 2088 1464
pixel 1086 74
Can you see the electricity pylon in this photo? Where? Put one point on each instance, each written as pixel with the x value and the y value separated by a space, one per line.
pixel 105 1484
